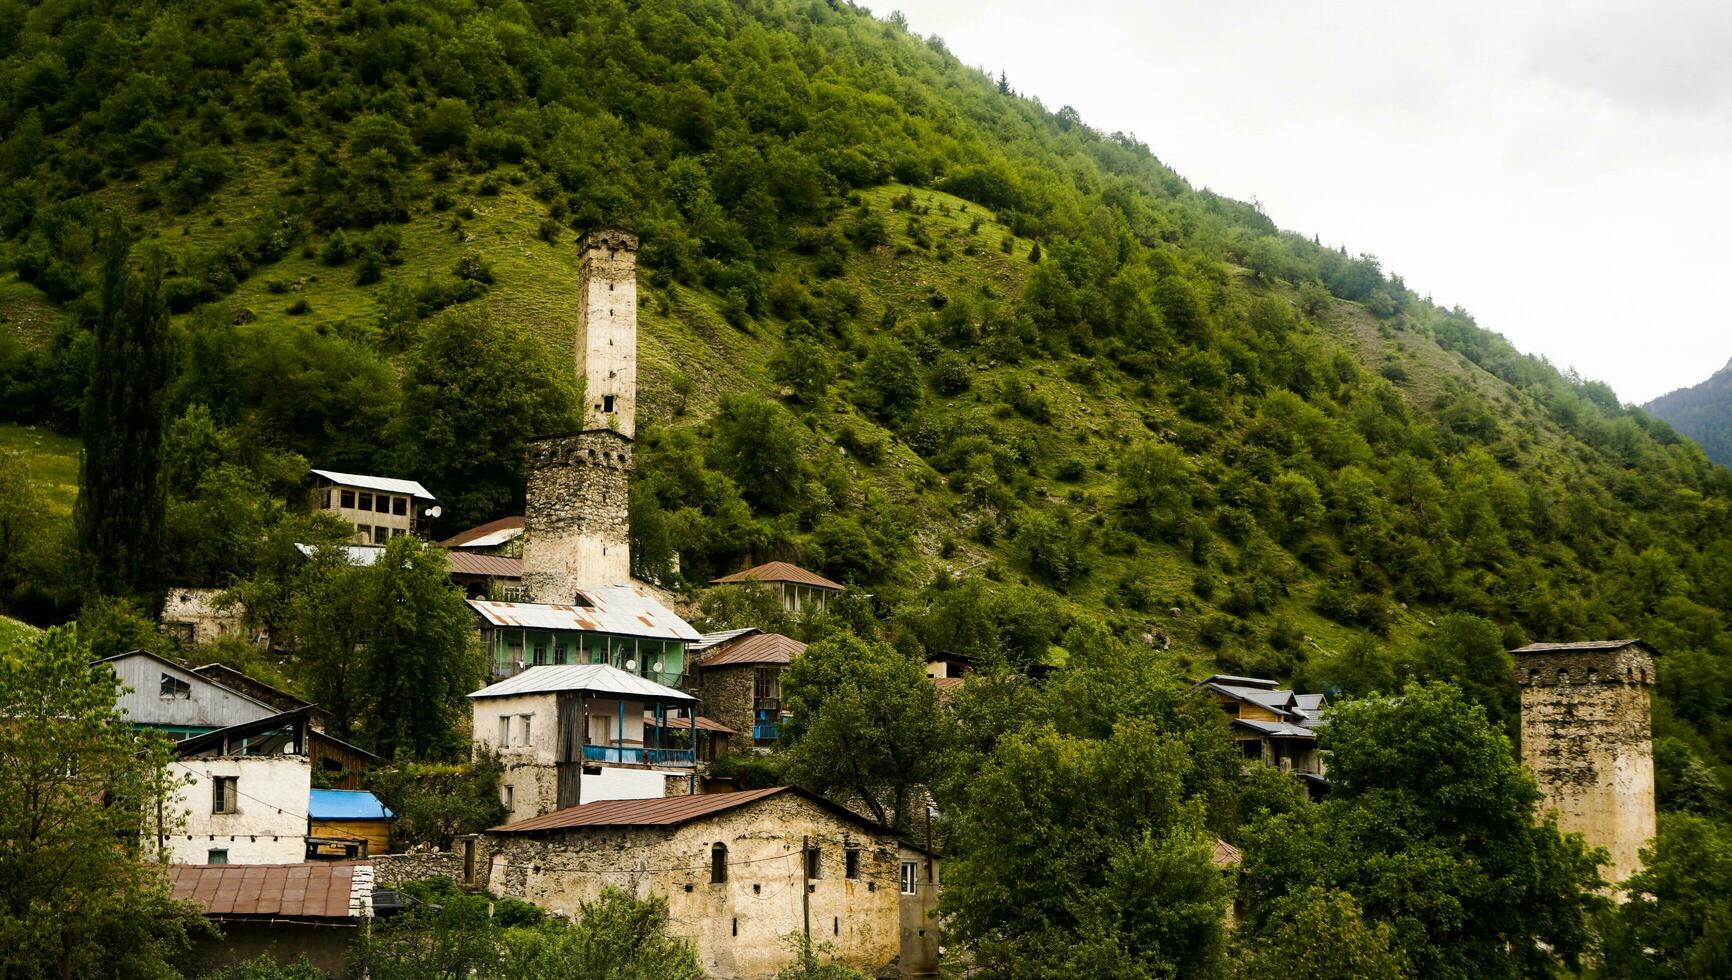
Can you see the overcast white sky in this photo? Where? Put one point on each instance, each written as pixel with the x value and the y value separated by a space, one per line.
pixel 1563 170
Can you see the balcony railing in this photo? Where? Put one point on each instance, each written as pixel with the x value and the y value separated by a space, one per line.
pixel 632 755
pixel 766 731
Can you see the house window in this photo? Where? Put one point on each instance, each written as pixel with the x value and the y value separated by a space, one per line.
pixel 525 730
pixel 175 689
pixel 767 683
pixel 910 875
pixel 381 534
pixel 540 654
pixel 718 863
pixel 813 862
pixel 399 506
pixel 504 731
pixel 507 796
pixel 366 500
pixel 349 499
pixel 851 862
pixel 325 498
pixel 607 403
pixel 223 796
pixel 217 855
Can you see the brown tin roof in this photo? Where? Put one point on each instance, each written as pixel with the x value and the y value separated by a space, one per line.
pixel 704 724
pixel 759 648
pixel 779 571
pixel 492 566
pixel 462 538
pixel 280 891
pixel 666 811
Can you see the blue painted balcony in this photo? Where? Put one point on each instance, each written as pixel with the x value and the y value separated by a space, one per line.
pixel 766 731
pixel 633 755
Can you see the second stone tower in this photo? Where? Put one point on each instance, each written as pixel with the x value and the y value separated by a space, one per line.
pixel 577 530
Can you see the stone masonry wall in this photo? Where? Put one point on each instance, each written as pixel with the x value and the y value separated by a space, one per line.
pixel 1587 738
pixel 727 698
pixel 577 528
pixel 739 926
pixel 607 329
pixel 393 870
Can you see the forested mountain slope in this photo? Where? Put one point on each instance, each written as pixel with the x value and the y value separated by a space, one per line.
pixel 1703 412
pixel 898 323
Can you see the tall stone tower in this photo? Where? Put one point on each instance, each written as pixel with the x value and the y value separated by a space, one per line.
pixel 577 530
pixel 1587 737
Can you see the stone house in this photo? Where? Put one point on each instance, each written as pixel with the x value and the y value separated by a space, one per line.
pixel 1274 726
pixel 624 626
pixel 740 872
pixel 379 508
pixel 1587 736
pixel 797 589
pixel 199 616
pixel 246 801
pixel 576 733
pixel 738 677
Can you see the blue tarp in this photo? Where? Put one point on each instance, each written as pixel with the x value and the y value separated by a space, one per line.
pixel 345 804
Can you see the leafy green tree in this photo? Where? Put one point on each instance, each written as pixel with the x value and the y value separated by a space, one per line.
pixel 121 500
pixel 1084 857
pixel 760 445
pixel 1429 825
pixel 1676 921
pixel 422 654
pixel 617 935
pixel 436 802
pixel 889 383
pixel 80 788
pixel 474 391
pixel 1155 488
pixel 1318 934
pixel 808 966
pixel 109 626
pixel 1468 651
pixel 866 725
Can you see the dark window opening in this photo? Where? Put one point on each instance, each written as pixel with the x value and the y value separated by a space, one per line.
pixel 812 862
pixel 366 501
pixel 836 925
pixel 719 868
pixel 217 855
pixel 175 689
pixel 223 794
pixel 607 403
pixel 400 505
pixel 851 862
pixel 348 498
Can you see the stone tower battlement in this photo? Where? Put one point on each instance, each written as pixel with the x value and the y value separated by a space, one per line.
pixel 1587 736
pixel 576 518
pixel 606 356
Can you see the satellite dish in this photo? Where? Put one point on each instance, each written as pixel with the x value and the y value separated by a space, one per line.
pixel 657 666
pixel 631 665
pixel 435 511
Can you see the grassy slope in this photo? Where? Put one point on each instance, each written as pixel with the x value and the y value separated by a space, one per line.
pixel 50 460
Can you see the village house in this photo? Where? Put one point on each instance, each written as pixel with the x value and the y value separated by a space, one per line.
pixel 1274 726
pixel 577 733
pixel 285 911
pixel 378 508
pixel 797 589
pixel 623 626
pixel 739 680
pixel 199 616
pixel 502 538
pixel 346 824
pixel 740 872
pixel 245 801
pixel 180 702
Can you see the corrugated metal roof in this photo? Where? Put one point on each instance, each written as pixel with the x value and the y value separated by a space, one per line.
pixel 283 891
pixel 594 678
pixel 385 483
pixel 623 610
pixel 666 811
pixel 1280 702
pixel 362 555
pixel 1277 728
pixel 1226 855
pixel 1235 681
pixel 345 804
pixel 492 566
pixel 1584 646
pixel 762 648
pixel 486 535
pixel 779 571
pixel 709 640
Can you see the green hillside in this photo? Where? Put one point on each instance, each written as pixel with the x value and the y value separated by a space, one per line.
pixel 1003 370
pixel 1703 412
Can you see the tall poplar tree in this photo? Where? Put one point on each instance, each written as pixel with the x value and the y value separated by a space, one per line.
pixel 120 490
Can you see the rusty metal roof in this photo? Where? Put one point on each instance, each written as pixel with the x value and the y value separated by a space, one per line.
pixel 486 535
pixel 278 891
pixel 492 566
pixel 622 610
pixel 1584 646
pixel 593 678
pixel 704 724
pixel 385 483
pixel 779 571
pixel 759 648
pixel 664 811
pixel 1226 855
pixel 710 640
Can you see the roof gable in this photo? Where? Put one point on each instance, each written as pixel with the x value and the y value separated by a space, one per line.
pixel 621 610
pixel 669 811
pixel 779 571
pixel 486 535
pixel 384 483
pixel 593 678
pixel 759 648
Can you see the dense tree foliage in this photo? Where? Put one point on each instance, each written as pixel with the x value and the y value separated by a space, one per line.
pixel 1675 922
pixel 81 894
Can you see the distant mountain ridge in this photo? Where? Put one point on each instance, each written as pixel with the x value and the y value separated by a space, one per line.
pixel 1702 412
